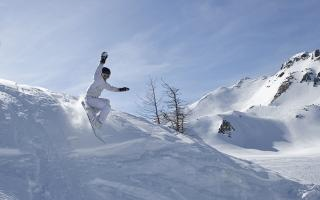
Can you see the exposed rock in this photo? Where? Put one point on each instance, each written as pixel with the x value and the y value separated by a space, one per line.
pixel 316 81
pixel 316 54
pixel 296 58
pixel 226 128
pixel 305 56
pixel 299 116
pixel 287 64
pixel 310 76
pixel 307 77
pixel 280 75
pixel 283 87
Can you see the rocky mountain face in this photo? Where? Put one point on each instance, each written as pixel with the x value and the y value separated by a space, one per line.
pixel 271 107
pixel 309 74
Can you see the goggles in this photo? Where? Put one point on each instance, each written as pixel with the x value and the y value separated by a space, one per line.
pixel 105 75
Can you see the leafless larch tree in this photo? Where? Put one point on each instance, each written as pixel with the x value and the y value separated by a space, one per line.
pixel 175 113
pixel 151 103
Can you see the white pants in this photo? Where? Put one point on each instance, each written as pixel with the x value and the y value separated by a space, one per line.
pixel 100 104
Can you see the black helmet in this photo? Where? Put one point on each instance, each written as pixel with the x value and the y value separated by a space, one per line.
pixel 106 70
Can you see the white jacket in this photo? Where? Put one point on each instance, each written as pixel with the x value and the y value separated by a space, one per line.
pixel 99 84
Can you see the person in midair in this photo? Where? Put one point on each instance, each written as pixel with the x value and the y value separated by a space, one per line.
pixel 94 91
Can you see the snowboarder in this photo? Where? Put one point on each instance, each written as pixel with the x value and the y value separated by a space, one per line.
pixel 100 105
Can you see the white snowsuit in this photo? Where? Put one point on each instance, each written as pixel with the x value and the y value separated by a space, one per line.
pixel 94 91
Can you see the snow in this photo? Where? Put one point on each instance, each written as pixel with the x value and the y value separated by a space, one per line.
pixel 298 55
pixel 304 169
pixel 225 99
pixel 48 152
pixel 281 134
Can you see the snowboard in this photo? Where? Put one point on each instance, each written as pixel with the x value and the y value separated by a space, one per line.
pixel 90 116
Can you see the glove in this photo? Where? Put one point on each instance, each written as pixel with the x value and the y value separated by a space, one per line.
pixel 123 89
pixel 104 56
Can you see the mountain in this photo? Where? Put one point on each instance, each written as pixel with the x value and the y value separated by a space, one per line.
pixel 299 75
pixel 48 152
pixel 274 115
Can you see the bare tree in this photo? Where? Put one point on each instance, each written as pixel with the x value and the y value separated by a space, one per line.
pixel 175 114
pixel 151 103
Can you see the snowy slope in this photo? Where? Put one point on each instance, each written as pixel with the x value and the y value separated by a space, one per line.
pixel 269 113
pixel 270 116
pixel 226 99
pixel 263 91
pixel 47 151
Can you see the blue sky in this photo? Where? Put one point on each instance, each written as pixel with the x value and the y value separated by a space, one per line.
pixel 195 45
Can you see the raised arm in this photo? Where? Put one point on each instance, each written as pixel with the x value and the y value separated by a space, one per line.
pixel 97 74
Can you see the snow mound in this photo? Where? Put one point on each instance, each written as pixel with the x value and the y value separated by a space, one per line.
pixel 48 151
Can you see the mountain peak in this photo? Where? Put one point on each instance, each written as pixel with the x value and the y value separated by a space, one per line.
pixel 314 55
